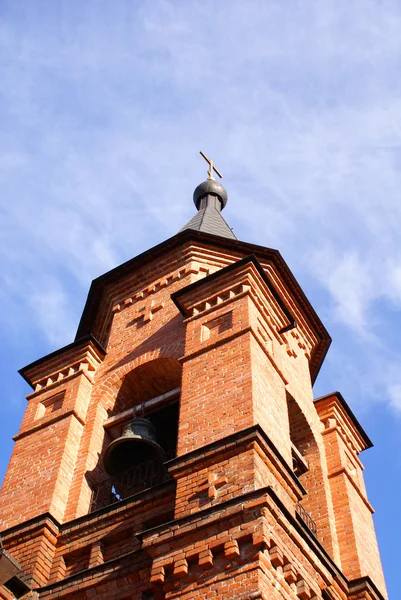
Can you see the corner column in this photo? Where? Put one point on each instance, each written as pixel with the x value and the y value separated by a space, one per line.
pixel 344 439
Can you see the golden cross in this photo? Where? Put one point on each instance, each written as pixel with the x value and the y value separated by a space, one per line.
pixel 211 167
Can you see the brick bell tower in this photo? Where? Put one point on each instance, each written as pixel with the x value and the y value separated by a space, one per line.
pixel 174 450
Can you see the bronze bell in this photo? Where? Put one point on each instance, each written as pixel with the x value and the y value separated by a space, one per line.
pixel 136 445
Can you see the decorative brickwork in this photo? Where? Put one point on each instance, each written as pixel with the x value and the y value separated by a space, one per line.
pixel 259 493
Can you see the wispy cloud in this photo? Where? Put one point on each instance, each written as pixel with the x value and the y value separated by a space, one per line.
pixel 50 307
pixel 395 396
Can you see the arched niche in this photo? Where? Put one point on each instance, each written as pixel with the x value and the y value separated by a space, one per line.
pixel 307 464
pixel 151 380
pixel 147 381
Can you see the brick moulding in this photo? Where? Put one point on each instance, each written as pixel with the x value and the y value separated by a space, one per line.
pixel 255 432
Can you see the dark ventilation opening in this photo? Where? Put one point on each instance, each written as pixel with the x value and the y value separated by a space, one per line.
pixel 17 587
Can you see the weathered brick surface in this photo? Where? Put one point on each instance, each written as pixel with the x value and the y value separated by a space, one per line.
pixel 226 527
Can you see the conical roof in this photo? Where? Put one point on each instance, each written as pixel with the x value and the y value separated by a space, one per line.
pixel 210 198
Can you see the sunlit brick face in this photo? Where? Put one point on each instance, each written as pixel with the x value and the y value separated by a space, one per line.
pixel 212 343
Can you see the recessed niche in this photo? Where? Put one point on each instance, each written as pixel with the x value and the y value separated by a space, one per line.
pixel 217 326
pixel 50 405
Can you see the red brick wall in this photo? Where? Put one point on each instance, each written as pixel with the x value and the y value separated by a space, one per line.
pixel 237 371
pixel 359 552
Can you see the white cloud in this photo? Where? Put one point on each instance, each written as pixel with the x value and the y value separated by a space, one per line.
pixel 395 397
pixel 350 284
pixel 49 304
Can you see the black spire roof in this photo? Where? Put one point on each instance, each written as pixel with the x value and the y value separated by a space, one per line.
pixel 210 198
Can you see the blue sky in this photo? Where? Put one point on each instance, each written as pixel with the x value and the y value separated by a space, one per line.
pixel 104 106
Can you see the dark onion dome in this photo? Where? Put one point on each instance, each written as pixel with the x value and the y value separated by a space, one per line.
pixel 212 188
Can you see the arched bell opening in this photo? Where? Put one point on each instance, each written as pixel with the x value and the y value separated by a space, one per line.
pixel 149 380
pixel 307 465
pixel 146 412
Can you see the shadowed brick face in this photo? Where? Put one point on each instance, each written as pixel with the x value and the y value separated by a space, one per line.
pixel 253 463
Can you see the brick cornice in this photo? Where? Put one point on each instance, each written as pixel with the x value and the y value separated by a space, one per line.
pixel 90 522
pixel 173 534
pixel 28 528
pixel 63 587
pixel 190 460
pixel 245 272
pixel 334 407
pixel 363 587
pixel 232 248
pixel 82 355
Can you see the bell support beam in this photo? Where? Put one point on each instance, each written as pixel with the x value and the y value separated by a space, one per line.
pixel 148 406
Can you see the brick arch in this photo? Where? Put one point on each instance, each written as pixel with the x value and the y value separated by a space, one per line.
pixel 316 501
pixel 116 388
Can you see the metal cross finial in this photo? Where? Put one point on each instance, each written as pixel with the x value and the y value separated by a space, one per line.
pixel 211 167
